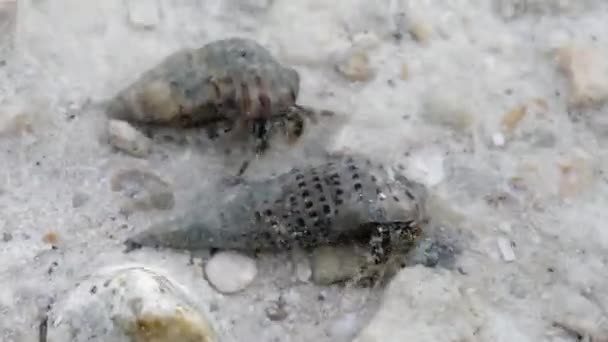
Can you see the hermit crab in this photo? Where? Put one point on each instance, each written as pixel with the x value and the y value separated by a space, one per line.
pixel 234 84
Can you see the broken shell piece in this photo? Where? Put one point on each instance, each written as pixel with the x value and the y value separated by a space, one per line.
pixel 130 303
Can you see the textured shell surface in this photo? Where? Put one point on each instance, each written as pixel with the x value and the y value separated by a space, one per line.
pixel 225 79
pixel 344 200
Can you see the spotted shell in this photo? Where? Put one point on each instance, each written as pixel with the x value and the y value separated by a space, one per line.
pixel 230 79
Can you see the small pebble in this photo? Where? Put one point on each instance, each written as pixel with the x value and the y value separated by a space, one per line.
pixel 355 67
pixel 420 31
pixel 230 272
pixel 498 139
pixel 506 250
pixel 335 264
pixel 126 138
pixel 6 237
pixel 586 69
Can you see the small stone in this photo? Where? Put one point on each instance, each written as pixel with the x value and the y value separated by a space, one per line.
pixel 512 118
pixel 79 199
pixel 303 270
pixel 51 238
pixel 230 272
pixel 404 73
pixel 144 14
pixel 6 237
pixel 335 264
pixel 498 139
pixel 506 250
pixel 145 190
pixel 586 69
pixel 15 121
pixel 129 303
pixel 420 31
pixel 126 138
pixel 448 110
pixel 355 66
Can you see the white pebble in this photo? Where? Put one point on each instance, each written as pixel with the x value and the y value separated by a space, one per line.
pixel 506 250
pixel 498 139
pixel 126 138
pixel 230 272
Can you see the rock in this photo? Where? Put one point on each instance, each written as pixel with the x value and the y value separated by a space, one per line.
pixel 506 250
pixel 404 73
pixel 51 238
pixel 512 118
pixel 303 270
pixel 6 237
pixel 448 109
pixel 420 31
pixel 498 139
pixel 8 25
pixel 126 138
pixel 79 199
pixel 15 121
pixel 144 14
pixel 586 69
pixel 230 272
pixel 129 303
pixel 424 305
pixel 335 264
pixel 146 190
pixel 355 66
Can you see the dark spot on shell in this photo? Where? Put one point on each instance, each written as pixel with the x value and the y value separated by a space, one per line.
pixel 300 222
pixel 319 187
pixel 258 216
pixel 299 176
pixel 358 186
pixel 409 194
pixel 326 209
pixel 322 199
pixel 339 192
pixel 396 198
pixel 316 179
pixel 355 176
pixel 308 204
pixel 313 214
pixel 374 179
pixel 301 185
pixel 268 212
pixel 305 193
pixel 339 201
pixel 292 199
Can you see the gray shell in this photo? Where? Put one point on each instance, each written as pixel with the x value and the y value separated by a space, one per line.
pixel 338 202
pixel 227 78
